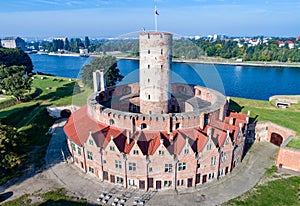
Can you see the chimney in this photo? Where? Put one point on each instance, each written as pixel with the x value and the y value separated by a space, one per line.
pixel 248 117
pixel 102 80
pixel 209 132
pixel 171 138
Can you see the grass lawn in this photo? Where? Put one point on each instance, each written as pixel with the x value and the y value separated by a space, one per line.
pixel 265 110
pixel 32 119
pixel 58 197
pixel 294 143
pixel 277 190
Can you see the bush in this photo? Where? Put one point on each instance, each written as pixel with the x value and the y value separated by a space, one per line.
pixel 8 103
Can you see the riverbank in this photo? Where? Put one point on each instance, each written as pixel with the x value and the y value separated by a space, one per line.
pixel 225 62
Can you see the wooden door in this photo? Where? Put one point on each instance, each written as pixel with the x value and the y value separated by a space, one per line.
pixel 158 184
pixel 142 184
pixel 105 175
pixel 150 182
pixel 190 182
pixel 204 179
pixel 198 178
pixel 112 178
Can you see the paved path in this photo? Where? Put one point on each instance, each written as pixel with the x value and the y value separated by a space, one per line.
pixel 58 174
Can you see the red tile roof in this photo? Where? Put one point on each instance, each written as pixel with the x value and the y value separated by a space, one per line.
pixel 79 126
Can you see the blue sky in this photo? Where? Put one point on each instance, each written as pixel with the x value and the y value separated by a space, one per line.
pixel 112 18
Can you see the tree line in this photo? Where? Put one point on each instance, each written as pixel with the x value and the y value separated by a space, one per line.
pixel 227 49
pixel 15 70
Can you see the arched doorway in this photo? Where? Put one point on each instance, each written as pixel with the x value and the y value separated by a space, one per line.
pixel 66 113
pixel 276 139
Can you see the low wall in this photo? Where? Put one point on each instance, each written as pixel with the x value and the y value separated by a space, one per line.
pixel 288 158
pixel 264 130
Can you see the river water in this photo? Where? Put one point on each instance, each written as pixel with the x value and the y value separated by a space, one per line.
pixel 238 81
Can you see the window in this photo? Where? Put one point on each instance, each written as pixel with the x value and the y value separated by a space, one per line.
pixel 149 97
pixel 119 180
pixel 167 183
pixel 143 126
pixel 148 80
pixel 211 175
pixel 213 160
pixel 208 147
pixel 135 152
pixel 118 164
pixel 91 170
pixel 198 165
pixel 104 161
pixel 168 168
pixel 73 147
pixel 132 166
pixel 221 172
pixel 181 166
pixel 223 157
pixel 148 66
pixel 90 155
pixel 150 169
pixel 161 66
pixel 161 153
pixel 186 151
pixel 227 141
pixel 148 51
pixel 161 51
pixel 111 148
pixel 79 150
pixel 91 142
pixel 180 182
pixel 132 182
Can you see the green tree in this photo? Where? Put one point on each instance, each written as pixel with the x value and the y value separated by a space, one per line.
pixel 18 57
pixel 9 140
pixel 86 42
pixel 67 45
pixel 109 64
pixel 13 81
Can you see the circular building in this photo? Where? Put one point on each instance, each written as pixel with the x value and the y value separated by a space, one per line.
pixel 155 134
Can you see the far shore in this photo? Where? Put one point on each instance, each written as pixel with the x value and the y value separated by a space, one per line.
pixel 196 61
pixel 212 61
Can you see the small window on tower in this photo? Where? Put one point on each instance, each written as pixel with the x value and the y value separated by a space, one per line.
pixel 148 80
pixel 161 66
pixel 149 51
pixel 149 97
pixel 161 51
pixel 148 36
pixel 148 66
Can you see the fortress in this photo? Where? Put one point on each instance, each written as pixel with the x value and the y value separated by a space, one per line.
pixel 156 134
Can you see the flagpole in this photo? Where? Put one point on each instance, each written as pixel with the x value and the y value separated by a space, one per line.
pixel 155 15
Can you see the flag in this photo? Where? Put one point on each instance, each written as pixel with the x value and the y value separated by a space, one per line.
pixel 156 12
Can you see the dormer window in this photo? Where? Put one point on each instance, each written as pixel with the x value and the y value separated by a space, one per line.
pixel 161 152
pixel 91 142
pixel 227 141
pixel 208 147
pixel 186 151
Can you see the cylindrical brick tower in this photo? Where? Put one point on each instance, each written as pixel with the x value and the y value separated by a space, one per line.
pixel 155 72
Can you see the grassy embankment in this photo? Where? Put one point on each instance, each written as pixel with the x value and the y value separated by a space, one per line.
pixel 31 118
pixel 267 111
